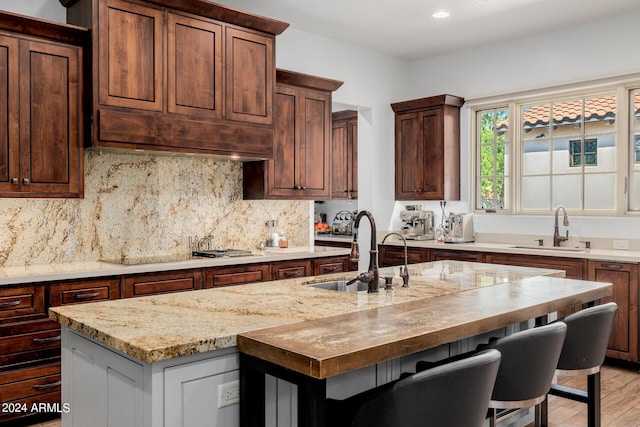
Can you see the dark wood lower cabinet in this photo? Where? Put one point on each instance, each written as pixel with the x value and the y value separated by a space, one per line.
pixel 235 275
pixel 390 255
pixel 445 254
pixel 623 343
pixel 291 269
pixel 160 283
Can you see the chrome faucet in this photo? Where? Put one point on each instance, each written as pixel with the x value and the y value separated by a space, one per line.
pixel 404 273
pixel 372 276
pixel 556 233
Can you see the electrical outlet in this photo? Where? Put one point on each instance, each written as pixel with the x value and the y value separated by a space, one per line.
pixel 620 244
pixel 228 393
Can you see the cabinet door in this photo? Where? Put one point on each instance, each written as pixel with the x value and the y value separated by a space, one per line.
pixel 250 76
pixel 50 143
pixel 408 157
pixel 339 160
pixel 130 55
pixel 194 67
pixel 9 113
pixel 623 342
pixel 352 158
pixel 314 144
pixel 432 155
pixel 282 170
pixel 160 283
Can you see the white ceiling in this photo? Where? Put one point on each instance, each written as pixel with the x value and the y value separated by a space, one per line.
pixel 405 28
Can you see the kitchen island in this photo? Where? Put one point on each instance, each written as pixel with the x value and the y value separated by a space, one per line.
pixel 170 360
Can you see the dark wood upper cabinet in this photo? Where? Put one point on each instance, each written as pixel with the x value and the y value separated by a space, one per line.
pixel 300 168
pixel 344 155
pixel 183 76
pixel 427 148
pixel 41 150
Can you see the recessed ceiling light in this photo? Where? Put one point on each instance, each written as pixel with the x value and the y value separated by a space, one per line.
pixel 441 15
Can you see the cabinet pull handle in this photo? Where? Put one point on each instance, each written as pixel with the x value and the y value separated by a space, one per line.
pixel 26 181
pixel 86 296
pixel 10 303
pixel 613 266
pixel 14 181
pixel 290 273
pixel 46 340
pixel 47 386
pixel 330 268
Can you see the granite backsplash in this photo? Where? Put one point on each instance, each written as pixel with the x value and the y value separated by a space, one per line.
pixel 144 205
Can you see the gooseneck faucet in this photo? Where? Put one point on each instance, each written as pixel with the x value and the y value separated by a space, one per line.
pixel 556 233
pixel 404 273
pixel 372 276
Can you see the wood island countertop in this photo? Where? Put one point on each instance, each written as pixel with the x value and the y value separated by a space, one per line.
pixel 162 327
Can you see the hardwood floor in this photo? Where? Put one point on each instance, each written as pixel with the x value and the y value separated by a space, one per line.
pixel 620 401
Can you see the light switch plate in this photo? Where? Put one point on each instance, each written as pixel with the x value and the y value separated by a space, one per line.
pixel 620 244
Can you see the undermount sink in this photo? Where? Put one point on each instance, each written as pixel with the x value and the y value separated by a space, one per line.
pixel 549 248
pixel 341 286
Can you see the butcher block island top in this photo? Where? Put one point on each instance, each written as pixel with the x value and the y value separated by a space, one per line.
pixel 318 330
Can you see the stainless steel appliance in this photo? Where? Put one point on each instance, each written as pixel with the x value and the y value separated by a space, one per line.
pixel 459 228
pixel 418 225
pixel 343 223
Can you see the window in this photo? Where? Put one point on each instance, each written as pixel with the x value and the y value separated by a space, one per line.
pixel 493 131
pixel 566 153
pixel 634 184
pixel 590 153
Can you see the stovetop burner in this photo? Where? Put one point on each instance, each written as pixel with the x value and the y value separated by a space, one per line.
pixel 217 253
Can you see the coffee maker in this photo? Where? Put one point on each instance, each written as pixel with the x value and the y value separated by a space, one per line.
pixel 459 228
pixel 418 225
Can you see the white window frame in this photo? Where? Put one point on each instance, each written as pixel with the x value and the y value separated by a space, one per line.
pixel 621 85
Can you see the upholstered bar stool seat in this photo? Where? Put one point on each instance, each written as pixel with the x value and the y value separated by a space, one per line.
pixel 583 353
pixel 452 394
pixel 529 360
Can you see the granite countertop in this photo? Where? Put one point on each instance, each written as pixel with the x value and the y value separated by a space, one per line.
pixel 524 249
pixel 161 327
pixel 80 270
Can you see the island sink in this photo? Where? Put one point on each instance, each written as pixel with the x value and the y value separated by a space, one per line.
pixel 341 286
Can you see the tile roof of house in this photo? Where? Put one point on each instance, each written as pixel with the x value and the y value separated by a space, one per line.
pixel 565 112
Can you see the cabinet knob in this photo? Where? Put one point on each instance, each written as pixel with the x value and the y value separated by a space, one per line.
pixel 26 181
pixel 419 190
pixel 14 181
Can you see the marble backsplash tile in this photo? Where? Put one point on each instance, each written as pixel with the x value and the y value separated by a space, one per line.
pixel 144 205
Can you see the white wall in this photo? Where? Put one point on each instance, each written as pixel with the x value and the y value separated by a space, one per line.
pixel 594 50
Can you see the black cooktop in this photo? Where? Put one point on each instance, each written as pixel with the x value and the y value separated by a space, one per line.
pixel 218 253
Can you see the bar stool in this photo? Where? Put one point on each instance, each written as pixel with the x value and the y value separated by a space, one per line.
pixel 583 353
pixel 452 394
pixel 529 360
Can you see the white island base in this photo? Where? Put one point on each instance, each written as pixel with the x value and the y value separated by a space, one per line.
pixel 106 388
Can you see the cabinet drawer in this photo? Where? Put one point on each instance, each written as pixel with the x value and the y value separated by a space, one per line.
pixel 574 268
pixel 26 387
pixel 290 269
pixel 442 254
pixel 85 291
pixel 394 255
pixel 330 265
pixel 158 283
pixel 21 301
pixel 34 340
pixel 229 276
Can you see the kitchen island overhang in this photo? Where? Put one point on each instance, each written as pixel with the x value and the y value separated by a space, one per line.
pixel 259 316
